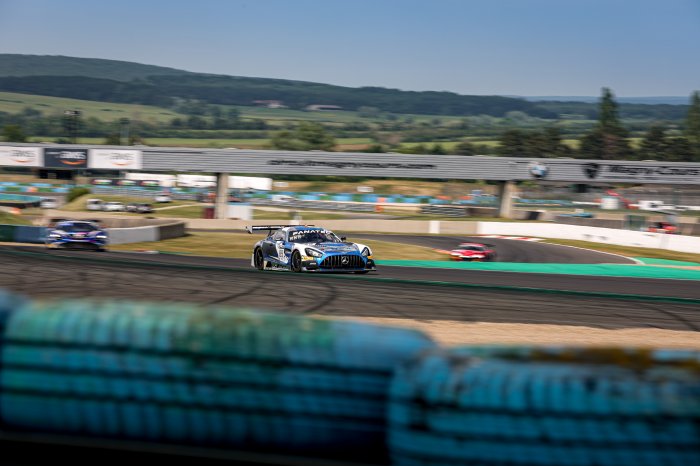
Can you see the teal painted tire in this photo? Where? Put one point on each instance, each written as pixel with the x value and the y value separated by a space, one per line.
pixel 202 376
pixel 515 406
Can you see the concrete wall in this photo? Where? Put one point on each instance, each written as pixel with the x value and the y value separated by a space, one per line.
pixel 132 235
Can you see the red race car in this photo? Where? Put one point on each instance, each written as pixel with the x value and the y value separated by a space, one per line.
pixel 475 252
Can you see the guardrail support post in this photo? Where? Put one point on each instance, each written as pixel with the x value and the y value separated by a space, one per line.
pixel 221 203
pixel 505 201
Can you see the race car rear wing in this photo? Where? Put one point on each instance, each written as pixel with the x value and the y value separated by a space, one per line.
pixel 270 228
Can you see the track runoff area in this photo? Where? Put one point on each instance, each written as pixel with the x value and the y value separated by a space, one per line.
pixel 455 306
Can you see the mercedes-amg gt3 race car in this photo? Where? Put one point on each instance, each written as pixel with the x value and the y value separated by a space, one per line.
pixel 308 249
pixel 76 234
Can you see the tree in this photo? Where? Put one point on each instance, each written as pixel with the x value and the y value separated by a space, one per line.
pixel 692 128
pixel 512 143
pixel 13 133
pixel 609 120
pixel 464 148
pixel 307 136
pixel 437 149
pixel 655 145
pixel 607 140
pixel 113 139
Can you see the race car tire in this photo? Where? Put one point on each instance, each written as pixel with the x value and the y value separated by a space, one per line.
pixel 362 272
pixel 258 259
pixel 544 406
pixel 202 376
pixel 295 262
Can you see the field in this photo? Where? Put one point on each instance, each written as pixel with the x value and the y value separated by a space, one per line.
pixel 12 102
pixel 343 143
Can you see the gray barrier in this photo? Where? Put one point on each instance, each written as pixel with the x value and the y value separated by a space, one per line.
pixel 171 230
pixel 132 235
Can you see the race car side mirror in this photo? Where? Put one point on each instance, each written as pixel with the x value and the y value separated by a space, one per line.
pixel 343 238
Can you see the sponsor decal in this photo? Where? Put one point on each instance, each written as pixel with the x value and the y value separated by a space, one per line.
pixel 630 172
pixel 21 156
pixel 349 164
pixel 116 159
pixel 56 157
pixel 591 170
pixel 538 169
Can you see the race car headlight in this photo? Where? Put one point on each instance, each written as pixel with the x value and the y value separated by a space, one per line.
pixel 101 236
pixel 54 235
pixel 313 253
pixel 366 252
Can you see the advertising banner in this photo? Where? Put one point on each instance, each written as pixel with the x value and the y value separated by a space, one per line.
pixel 115 159
pixel 56 157
pixel 21 156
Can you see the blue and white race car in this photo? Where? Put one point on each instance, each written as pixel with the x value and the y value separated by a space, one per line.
pixel 308 249
pixel 76 234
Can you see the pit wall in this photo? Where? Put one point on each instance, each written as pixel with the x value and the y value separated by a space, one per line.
pixel 281 384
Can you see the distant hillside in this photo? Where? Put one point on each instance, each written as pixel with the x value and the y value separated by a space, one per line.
pixel 56 65
pixel 660 100
pixel 133 83
pixel 116 81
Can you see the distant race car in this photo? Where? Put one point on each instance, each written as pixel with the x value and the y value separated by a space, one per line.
pixel 663 227
pixel 77 234
pixel 308 249
pixel 473 252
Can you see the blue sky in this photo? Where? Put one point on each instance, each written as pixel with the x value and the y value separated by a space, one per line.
pixel 506 47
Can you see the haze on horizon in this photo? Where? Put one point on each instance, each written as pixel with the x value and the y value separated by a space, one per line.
pixel 502 47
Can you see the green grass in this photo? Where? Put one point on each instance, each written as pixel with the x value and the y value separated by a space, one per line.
pixel 260 214
pixel 629 251
pixel 78 205
pixel 240 245
pixel 12 102
pixel 7 218
pixel 210 143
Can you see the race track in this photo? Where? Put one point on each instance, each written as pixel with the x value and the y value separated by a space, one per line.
pixel 507 250
pixel 391 293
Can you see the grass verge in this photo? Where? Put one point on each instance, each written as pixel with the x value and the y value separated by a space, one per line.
pixel 7 218
pixel 629 251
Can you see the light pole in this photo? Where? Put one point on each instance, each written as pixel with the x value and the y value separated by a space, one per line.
pixel 124 122
pixel 71 123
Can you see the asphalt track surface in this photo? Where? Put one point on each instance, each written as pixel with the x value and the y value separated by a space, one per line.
pixel 396 292
pixel 507 250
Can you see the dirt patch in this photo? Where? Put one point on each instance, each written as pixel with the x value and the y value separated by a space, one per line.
pixel 453 333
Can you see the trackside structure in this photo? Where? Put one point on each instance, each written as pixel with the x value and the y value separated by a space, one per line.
pixel 223 162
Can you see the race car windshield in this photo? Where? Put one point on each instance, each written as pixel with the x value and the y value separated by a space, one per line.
pixel 78 227
pixel 473 248
pixel 313 236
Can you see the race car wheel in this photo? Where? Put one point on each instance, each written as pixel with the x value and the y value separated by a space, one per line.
pixel 259 260
pixel 296 262
pixel 362 272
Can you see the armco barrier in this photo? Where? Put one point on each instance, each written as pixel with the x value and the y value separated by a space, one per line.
pixel 7 233
pixel 27 234
pixel 547 407
pixel 203 377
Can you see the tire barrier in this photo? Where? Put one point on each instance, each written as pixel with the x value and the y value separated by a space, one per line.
pixel 501 406
pixel 202 376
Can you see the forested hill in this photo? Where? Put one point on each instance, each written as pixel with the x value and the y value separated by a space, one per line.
pixel 117 81
pixel 56 65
